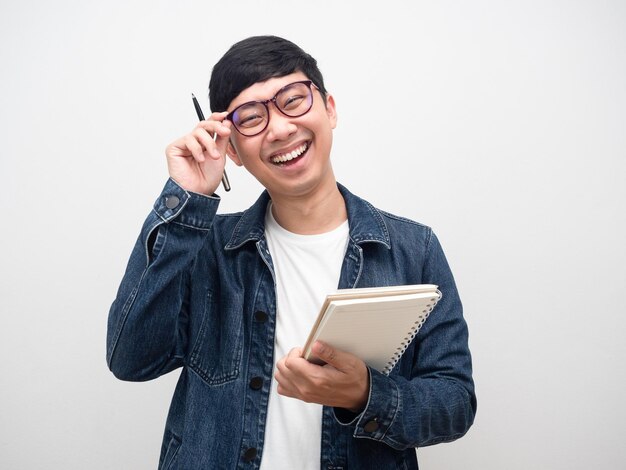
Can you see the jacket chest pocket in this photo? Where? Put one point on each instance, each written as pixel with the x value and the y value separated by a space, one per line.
pixel 217 350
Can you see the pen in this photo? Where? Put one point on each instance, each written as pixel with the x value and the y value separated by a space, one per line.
pixel 200 114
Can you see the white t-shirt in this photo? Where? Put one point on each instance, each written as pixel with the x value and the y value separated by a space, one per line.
pixel 307 267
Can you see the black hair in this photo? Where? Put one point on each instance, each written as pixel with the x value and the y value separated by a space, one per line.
pixel 256 59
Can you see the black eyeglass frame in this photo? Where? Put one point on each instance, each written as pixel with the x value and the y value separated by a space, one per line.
pixel 265 104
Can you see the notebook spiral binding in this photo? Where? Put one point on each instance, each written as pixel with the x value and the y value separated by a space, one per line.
pixel 411 334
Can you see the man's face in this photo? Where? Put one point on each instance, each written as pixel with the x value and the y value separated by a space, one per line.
pixel 268 155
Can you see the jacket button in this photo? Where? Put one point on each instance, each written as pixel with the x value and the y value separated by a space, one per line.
pixel 260 316
pixel 256 383
pixel 371 426
pixel 171 202
pixel 249 454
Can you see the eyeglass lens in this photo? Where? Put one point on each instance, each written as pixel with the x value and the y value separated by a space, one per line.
pixel 293 100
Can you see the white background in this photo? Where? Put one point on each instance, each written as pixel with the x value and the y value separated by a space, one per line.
pixel 501 124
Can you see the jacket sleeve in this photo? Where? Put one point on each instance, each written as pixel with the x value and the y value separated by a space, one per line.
pixel 147 325
pixel 437 402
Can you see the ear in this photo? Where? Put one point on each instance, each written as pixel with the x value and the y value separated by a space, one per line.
pixel 331 110
pixel 232 153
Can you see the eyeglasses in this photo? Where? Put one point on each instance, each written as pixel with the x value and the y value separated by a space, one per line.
pixel 293 100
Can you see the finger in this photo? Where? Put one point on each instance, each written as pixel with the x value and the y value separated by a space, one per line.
pixel 340 360
pixel 287 368
pixel 218 116
pixel 284 385
pixel 194 147
pixel 178 148
pixel 214 122
pixel 207 143
pixel 288 383
pixel 223 137
pixel 295 364
pixel 295 352
pixel 280 367
pixel 214 131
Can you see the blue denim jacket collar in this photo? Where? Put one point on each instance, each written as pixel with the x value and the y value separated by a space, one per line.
pixel 365 222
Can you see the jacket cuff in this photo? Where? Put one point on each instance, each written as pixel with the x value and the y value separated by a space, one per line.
pixel 178 205
pixel 382 406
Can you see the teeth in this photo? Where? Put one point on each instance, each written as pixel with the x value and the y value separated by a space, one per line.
pixel 290 156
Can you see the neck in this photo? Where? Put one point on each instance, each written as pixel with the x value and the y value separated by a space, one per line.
pixel 318 212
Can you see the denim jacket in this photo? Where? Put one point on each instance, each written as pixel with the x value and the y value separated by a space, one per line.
pixel 199 293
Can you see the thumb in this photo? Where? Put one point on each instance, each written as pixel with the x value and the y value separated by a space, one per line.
pixel 328 354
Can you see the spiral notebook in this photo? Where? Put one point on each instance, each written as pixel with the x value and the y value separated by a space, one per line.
pixel 376 324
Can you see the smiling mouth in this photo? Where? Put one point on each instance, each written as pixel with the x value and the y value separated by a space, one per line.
pixel 292 156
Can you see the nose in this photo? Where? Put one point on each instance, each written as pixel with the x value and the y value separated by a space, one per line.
pixel 279 127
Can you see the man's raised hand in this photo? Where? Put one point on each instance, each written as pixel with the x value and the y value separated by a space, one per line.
pixel 196 161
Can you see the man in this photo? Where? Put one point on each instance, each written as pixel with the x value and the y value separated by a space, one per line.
pixel 231 298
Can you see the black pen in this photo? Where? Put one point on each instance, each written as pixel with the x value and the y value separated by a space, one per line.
pixel 200 114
